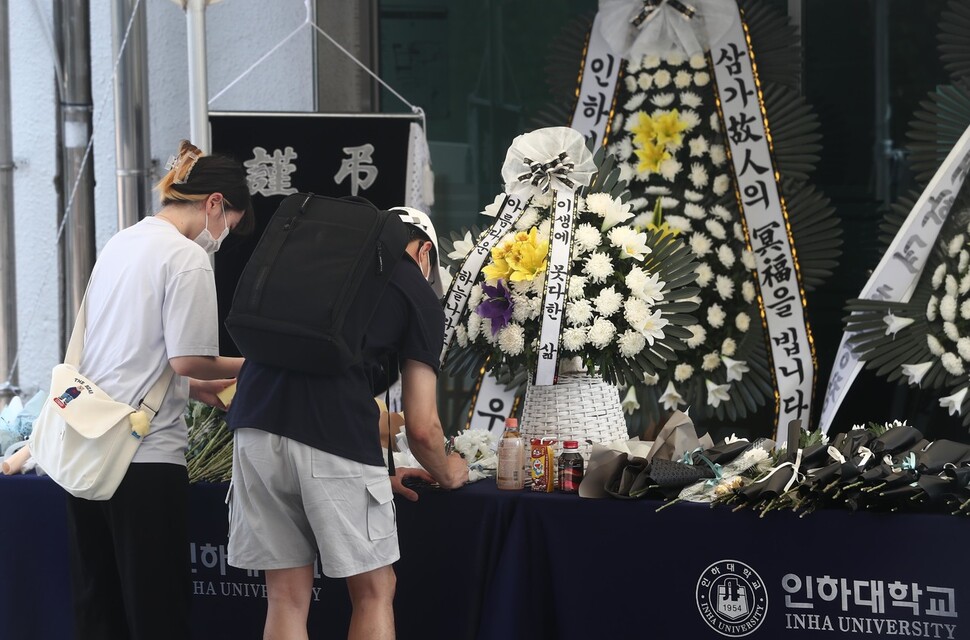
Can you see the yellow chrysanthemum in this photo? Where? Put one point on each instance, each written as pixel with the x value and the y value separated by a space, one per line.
pixel 519 259
pixel 668 127
pixel 643 131
pixel 650 156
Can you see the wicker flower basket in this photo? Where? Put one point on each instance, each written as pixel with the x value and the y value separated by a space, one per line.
pixel 581 407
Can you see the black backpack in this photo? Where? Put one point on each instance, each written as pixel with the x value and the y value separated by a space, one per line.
pixel 307 294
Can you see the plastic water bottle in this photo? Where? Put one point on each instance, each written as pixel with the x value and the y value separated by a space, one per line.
pixel 511 458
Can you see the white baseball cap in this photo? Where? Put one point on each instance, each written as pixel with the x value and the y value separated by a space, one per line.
pixel 422 221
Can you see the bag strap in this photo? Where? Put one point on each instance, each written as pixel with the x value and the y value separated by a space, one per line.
pixel 152 401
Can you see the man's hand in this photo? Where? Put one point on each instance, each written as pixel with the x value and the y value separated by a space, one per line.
pixel 457 472
pixel 404 473
pixel 206 390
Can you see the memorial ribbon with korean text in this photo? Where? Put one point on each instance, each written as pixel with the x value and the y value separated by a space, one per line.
pixel 556 286
pixel 895 278
pixel 597 87
pixel 765 221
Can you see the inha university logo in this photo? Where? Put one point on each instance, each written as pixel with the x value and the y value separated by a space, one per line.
pixel 732 598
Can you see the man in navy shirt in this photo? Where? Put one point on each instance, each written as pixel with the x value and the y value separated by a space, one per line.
pixel 308 470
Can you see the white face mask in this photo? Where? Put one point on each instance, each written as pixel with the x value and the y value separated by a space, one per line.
pixel 205 239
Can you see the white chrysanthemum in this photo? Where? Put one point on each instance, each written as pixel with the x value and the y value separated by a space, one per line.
pixel 682 80
pixel 683 372
pixel 956 243
pixel 511 339
pixel 932 306
pixel 542 231
pixel 938 276
pixel 738 232
pixel 627 172
pixel 631 343
pixel 678 223
pixel 577 287
pixel 528 219
pixel 934 345
pixel 662 100
pixel 520 307
pixel 651 62
pixel 675 59
pixel 587 238
pixel 642 220
pixel 698 61
pixel 579 312
pixel 490 338
pixel 544 200
pixel 695 211
pixel 948 308
pixel 716 229
pixel 632 66
pixel 657 190
pixel 598 266
pixel 747 259
pixel 718 156
pixel 661 78
pixel 963 348
pixel 964 283
pixel 711 361
pixel 720 212
pixel 636 279
pixel 721 184
pixel 574 338
pixel 729 347
pixel 700 335
pixel 475 296
pixel 631 83
pixel 635 311
pixel 608 301
pixel 724 286
pixel 700 244
pixel 698 146
pixel 698 176
pixel 951 285
pixel 621 235
pixel 714 121
pixel 951 332
pixel 634 103
pixel 701 78
pixel 693 196
pixel 690 118
pixel 715 316
pixel 747 292
pixel 474 326
pixel 461 335
pixel 669 169
pixel 965 309
pixel 690 99
pixel 952 363
pixel 742 322
pixel 601 333
pixel 645 81
pixel 726 256
pixel 624 149
pixel 704 274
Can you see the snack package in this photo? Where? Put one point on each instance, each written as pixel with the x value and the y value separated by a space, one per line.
pixel 543 464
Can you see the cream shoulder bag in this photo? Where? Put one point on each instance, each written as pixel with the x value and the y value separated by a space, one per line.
pixel 82 438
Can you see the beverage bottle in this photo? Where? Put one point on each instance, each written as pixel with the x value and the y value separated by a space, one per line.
pixel 571 467
pixel 511 458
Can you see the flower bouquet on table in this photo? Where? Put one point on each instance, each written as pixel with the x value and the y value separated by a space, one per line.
pixel 477 446
pixel 566 275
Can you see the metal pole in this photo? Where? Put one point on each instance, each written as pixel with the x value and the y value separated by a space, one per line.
pixel 8 269
pixel 198 74
pixel 77 246
pixel 132 150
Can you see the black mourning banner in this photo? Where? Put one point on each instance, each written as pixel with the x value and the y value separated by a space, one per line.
pixel 327 154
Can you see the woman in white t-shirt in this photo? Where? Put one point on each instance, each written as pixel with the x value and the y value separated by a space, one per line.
pixel 151 303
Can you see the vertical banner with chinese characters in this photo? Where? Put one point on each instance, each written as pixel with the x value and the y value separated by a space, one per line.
pixel 597 87
pixel 456 299
pixel 900 267
pixel 364 155
pixel 557 282
pixel 766 224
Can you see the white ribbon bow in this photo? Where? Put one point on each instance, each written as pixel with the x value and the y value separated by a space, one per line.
pixel 550 158
pixel 636 28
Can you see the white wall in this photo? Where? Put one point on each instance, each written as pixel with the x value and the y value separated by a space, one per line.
pixel 239 32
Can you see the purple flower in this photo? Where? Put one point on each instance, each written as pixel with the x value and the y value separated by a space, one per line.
pixel 496 304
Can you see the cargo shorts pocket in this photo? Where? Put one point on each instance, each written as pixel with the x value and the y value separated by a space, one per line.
pixel 381 511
